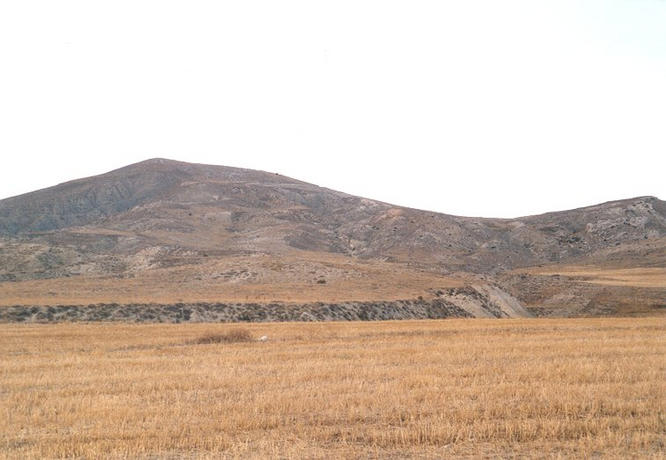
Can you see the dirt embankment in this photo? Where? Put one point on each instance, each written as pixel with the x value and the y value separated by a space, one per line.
pixel 466 302
pixel 221 312
pixel 476 301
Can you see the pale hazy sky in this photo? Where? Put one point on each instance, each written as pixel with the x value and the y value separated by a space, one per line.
pixel 493 108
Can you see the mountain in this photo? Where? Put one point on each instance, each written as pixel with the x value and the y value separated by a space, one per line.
pixel 213 232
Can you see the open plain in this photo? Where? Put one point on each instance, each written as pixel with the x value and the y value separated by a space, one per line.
pixel 591 387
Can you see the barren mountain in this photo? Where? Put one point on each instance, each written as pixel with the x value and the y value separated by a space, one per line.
pixel 165 231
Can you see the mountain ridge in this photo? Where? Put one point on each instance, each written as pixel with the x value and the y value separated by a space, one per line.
pixel 188 218
pixel 168 165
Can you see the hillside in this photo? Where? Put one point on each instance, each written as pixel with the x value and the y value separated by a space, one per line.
pixel 161 231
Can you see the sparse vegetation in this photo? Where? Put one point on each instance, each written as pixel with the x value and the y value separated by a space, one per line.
pixel 494 388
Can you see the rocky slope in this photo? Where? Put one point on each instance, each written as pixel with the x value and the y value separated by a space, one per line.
pixel 167 215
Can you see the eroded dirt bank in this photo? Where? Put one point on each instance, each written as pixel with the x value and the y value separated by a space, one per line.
pixel 473 301
pixel 221 312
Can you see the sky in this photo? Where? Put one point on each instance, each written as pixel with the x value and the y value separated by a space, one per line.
pixel 477 108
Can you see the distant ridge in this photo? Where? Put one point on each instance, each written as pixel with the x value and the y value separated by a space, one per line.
pixel 163 214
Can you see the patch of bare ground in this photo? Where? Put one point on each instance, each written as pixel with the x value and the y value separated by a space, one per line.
pixel 584 290
pixel 641 277
pixel 324 278
pixel 426 389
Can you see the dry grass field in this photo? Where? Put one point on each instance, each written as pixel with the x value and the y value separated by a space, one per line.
pixel 431 389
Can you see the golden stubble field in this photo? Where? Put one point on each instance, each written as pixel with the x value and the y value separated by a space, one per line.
pixel 430 389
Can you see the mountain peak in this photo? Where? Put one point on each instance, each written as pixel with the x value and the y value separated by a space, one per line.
pixel 162 193
pixel 207 227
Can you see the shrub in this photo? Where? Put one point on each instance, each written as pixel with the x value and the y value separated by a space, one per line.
pixel 233 336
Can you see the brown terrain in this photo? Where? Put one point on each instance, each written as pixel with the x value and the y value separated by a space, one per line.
pixel 169 242
pixel 190 242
